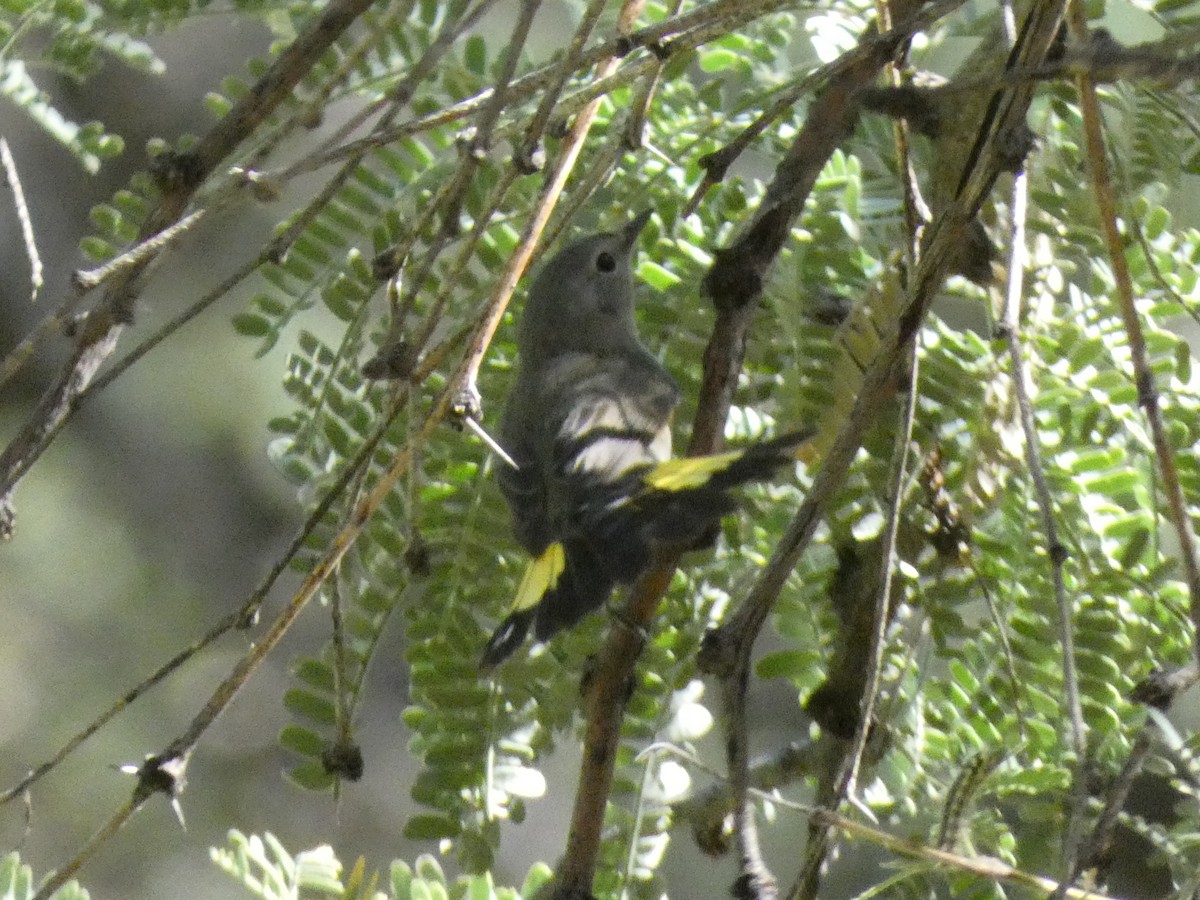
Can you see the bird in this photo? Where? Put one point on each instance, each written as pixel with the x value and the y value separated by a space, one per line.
pixel 592 489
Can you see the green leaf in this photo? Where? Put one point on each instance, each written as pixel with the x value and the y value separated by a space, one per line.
pixel 251 324
pixel 475 55
pixel 431 828
pixel 658 277
pixel 310 706
pixel 302 741
pixel 718 60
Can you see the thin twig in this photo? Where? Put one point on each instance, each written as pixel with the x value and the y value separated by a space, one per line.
pixel 1143 374
pixel 99 333
pixel 821 840
pixel 563 70
pixel 1057 552
pixel 55 324
pixel 800 759
pixel 13 180
pixel 466 254
pixel 404 92
pixel 515 267
pixel 168 328
pixel 315 104
pixel 139 254
pixel 116 822
pixel 223 626
pixel 983 866
pixel 1098 844
pixel 698 26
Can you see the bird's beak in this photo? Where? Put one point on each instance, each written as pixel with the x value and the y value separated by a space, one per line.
pixel 631 231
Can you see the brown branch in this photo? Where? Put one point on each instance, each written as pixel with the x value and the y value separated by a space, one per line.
pixel 728 646
pixel 829 124
pixel 670 36
pixel 736 278
pixel 735 282
pixel 1143 374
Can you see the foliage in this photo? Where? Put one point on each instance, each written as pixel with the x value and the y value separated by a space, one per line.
pixel 977 754
pixel 266 869
pixel 16 882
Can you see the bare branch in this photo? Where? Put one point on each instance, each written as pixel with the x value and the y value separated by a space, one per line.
pixel 1143 375
pixel 99 333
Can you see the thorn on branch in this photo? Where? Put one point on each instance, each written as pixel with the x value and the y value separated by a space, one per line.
pixel 262 188
pixel 468 404
pixel 249 618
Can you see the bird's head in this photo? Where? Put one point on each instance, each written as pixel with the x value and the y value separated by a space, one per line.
pixel 582 299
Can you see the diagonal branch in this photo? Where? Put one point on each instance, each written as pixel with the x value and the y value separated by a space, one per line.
pixel 729 647
pixel 1164 453
pixel 831 121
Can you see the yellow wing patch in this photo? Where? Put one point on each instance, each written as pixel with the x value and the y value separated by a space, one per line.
pixel 541 575
pixel 688 471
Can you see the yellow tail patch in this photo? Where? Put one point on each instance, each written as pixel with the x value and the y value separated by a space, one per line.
pixel 541 575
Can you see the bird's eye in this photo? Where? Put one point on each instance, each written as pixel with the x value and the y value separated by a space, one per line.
pixel 606 262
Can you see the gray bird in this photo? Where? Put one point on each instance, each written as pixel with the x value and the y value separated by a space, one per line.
pixel 588 423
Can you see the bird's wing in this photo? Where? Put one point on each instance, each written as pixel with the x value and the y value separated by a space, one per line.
pixel 613 419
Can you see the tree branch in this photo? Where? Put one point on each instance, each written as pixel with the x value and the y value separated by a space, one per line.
pixel 98 335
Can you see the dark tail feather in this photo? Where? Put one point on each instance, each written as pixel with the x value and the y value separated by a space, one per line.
pixel 506 638
pixel 586 581
pixel 687 518
pixel 585 584
pixel 759 462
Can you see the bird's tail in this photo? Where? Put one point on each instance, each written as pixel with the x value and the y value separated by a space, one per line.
pixel 675 503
